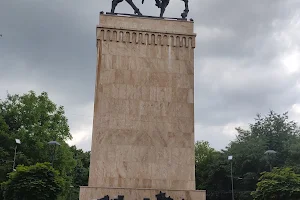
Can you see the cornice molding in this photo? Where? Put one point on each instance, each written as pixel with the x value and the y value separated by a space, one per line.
pixel 146 37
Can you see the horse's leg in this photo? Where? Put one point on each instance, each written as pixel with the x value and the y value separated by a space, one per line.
pixel 136 10
pixel 114 5
pixel 186 10
pixel 162 11
pixel 163 7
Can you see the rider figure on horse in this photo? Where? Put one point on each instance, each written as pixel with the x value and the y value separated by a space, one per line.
pixel 162 4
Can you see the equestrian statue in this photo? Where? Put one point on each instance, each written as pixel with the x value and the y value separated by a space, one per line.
pixel 162 4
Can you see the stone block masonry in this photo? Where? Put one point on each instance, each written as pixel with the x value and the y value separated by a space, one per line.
pixel 143 128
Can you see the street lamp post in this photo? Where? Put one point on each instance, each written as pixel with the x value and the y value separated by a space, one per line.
pixel 54 143
pixel 230 158
pixel 269 153
pixel 17 142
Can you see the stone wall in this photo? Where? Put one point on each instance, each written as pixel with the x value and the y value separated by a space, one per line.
pixel 143 131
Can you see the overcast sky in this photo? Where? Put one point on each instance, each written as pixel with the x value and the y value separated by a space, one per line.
pixel 247 58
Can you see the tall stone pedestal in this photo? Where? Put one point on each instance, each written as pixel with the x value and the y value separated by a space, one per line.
pixel 143 129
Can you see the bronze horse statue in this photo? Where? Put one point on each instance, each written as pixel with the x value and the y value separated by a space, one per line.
pixel 116 2
pixel 162 4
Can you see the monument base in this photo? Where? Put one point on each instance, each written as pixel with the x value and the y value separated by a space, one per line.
pixel 94 193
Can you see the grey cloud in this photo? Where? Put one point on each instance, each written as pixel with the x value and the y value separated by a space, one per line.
pixel 250 23
pixel 85 143
pixel 230 90
pixel 50 46
pixel 239 75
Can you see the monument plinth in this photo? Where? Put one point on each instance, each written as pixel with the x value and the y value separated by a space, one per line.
pixel 143 129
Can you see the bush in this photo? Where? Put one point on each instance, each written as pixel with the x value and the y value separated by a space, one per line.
pixel 38 182
pixel 279 184
pixel 227 195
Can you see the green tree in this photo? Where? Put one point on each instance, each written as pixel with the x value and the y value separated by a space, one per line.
pixel 273 132
pixel 279 184
pixel 208 166
pixel 35 120
pixel 81 170
pixel 39 182
pixel 212 171
pixel 5 155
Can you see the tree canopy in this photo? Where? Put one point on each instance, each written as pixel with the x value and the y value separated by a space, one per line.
pixel 272 132
pixel 37 120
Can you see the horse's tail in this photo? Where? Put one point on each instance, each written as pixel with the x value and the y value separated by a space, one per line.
pixel 143 1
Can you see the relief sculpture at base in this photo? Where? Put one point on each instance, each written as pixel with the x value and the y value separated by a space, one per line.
pixel 160 196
